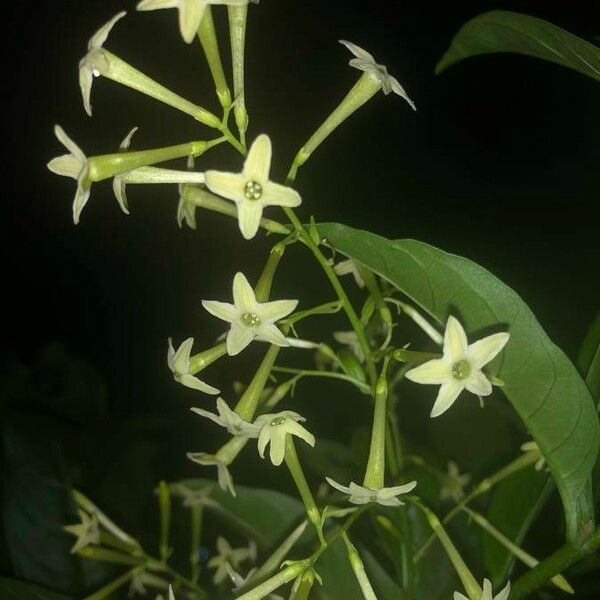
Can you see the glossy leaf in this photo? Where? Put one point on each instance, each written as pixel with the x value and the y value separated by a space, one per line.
pixel 13 589
pixel 515 504
pixel 588 360
pixel 540 381
pixel 504 31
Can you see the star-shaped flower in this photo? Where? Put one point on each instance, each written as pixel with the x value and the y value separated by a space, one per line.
pixel 454 484
pixel 363 495
pixel 250 319
pixel 274 428
pixel 365 62
pixel 460 366
pixel 251 189
pixel 229 419
pixel 487 592
pixel 94 62
pixel 229 556
pixel 87 531
pixel 190 12
pixel 347 267
pixel 74 165
pixel 179 363
pixel 223 474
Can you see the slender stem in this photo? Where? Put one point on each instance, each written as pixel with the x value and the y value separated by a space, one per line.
pixel 197 517
pixel 326 374
pixel 339 531
pixel 164 505
pixel 561 560
pixel 341 293
pixel 293 464
pixel 107 590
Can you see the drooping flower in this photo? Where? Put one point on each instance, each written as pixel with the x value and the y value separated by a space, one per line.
pixel 229 556
pixel 223 474
pixel 274 428
pixel 119 186
pixel 487 592
pixel 363 495
pixel 74 165
pixel 251 190
pixel 532 448
pixel 454 483
pixel 460 366
pixel 364 61
pixel 190 12
pixel 87 531
pixel 229 419
pixel 94 61
pixel 179 363
pixel 250 319
pixel 347 267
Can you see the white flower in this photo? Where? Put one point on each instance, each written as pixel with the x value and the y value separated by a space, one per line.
pixel 74 165
pixel 229 556
pixel 274 428
pixel 454 484
pixel 487 592
pixel 119 187
pixel 145 578
pixel 186 211
pixel 460 366
pixel 87 531
pixel 347 267
pixel 251 189
pixel 350 339
pixel 534 449
pixel 94 62
pixel 363 495
pixel 229 419
pixel 250 319
pixel 223 474
pixel 190 12
pixel 179 363
pixel 365 62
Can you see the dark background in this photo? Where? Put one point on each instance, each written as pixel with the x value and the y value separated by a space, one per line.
pixel 499 163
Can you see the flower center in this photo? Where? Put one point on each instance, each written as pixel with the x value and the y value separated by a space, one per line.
pixel 251 320
pixel 278 421
pixel 461 369
pixel 253 190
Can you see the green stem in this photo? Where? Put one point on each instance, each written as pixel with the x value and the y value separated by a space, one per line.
pixel 113 586
pixel 293 464
pixel 164 504
pixel 200 361
pixel 197 517
pixel 339 531
pixel 263 287
pixel 237 29
pixel 339 290
pixel 326 374
pixel 561 560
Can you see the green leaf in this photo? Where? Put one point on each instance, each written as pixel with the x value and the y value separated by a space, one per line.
pixel 588 360
pixel 540 381
pixel 515 504
pixel 262 515
pixel 503 31
pixel 13 589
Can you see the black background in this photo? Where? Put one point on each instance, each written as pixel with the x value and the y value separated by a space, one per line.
pixel 499 163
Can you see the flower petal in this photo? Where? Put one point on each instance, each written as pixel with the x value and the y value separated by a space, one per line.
pixel 243 295
pixel 69 144
pixel 486 349
pixel 398 89
pixel 98 39
pixel 478 384
pixel 190 17
pixel 277 450
pixel 181 360
pixel 258 162
pixel 397 490
pixel 228 185
pixel 389 501
pixel 274 311
pixel 249 216
pixel 82 195
pixel 337 486
pixel 222 310
pixel 156 4
pixel 270 334
pixel 448 393
pixel 196 384
pixel 503 595
pixel 120 192
pixel 263 440
pixel 435 371
pixel 459 596
pixel 455 341
pixel 238 338
pixel 275 194
pixel 86 79
pixel 359 52
pixel 208 415
pixel 66 165
pixel 296 429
